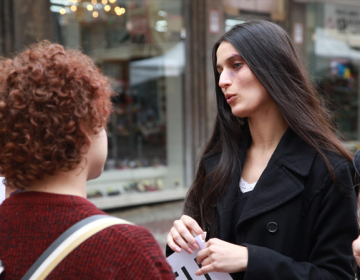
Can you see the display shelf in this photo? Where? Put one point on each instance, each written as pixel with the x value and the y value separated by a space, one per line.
pixel 110 176
pixel 130 187
pixel 133 199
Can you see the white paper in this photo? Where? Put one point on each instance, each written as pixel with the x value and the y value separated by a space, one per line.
pixel 2 190
pixel 183 263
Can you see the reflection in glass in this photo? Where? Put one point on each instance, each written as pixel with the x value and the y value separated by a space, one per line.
pixel 138 45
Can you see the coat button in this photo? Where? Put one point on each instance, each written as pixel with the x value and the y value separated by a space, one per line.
pixel 272 227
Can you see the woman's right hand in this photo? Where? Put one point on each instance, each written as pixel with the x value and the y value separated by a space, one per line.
pixel 181 235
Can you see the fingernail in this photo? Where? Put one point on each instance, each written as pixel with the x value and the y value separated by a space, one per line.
pixel 178 249
pixel 196 246
pixel 190 251
pixel 197 273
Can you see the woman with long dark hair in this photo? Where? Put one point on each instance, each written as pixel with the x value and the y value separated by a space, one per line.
pixel 274 187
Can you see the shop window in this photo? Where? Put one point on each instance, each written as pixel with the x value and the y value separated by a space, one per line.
pixel 334 61
pixel 341 84
pixel 138 45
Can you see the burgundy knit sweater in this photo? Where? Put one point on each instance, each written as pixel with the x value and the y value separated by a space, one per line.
pixel 31 221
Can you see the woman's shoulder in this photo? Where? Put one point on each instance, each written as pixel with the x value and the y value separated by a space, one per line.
pixel 122 251
pixel 297 150
pixel 340 175
pixel 128 234
pixel 132 240
pixel 336 161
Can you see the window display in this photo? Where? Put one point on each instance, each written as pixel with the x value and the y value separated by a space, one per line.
pixel 342 86
pixel 138 45
pixel 334 55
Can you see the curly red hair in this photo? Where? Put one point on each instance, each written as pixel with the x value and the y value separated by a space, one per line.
pixel 52 101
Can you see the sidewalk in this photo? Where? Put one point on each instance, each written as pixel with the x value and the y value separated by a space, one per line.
pixel 157 218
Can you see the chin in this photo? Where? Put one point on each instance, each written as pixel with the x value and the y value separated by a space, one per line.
pixel 238 114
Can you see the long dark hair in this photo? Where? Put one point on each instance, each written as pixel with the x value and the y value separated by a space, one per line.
pixel 268 51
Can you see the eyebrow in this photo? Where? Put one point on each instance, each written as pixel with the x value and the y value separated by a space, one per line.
pixel 230 58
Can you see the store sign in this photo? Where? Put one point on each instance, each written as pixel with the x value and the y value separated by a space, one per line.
pixel 334 44
pixel 342 18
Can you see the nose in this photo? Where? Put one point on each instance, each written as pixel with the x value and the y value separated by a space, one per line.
pixel 225 80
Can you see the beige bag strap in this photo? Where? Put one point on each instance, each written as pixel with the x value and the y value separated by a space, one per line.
pixel 67 242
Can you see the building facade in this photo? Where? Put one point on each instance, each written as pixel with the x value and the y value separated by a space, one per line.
pixel 157 55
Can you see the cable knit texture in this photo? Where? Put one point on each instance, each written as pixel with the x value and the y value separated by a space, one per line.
pixel 31 221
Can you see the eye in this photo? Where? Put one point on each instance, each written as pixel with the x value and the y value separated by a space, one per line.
pixel 237 65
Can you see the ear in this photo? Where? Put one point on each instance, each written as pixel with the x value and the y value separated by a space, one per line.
pixel 86 147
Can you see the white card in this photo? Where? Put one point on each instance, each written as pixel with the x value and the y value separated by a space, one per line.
pixel 184 265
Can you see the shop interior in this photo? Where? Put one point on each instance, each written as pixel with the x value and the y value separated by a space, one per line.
pixel 139 46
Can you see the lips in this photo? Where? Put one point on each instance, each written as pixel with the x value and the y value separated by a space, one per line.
pixel 230 97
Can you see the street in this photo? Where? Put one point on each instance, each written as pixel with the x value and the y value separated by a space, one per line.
pixel 157 218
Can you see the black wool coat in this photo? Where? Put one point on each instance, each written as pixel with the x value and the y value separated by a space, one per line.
pixel 297 224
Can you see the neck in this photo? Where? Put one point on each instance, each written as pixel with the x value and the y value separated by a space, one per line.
pixel 266 129
pixel 8 192
pixel 68 183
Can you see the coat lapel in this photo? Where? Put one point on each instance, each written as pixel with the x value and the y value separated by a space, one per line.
pixel 283 178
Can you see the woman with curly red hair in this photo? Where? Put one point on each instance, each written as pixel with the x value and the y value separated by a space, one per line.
pixel 54 105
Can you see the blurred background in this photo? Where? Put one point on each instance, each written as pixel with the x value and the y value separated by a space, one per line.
pixel 157 55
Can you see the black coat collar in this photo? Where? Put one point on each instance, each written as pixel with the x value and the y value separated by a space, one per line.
pixel 294 153
pixel 282 179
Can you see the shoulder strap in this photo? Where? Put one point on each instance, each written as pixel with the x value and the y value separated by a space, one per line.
pixel 67 242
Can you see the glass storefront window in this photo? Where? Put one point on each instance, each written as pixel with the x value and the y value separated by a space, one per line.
pixel 334 56
pixel 138 44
